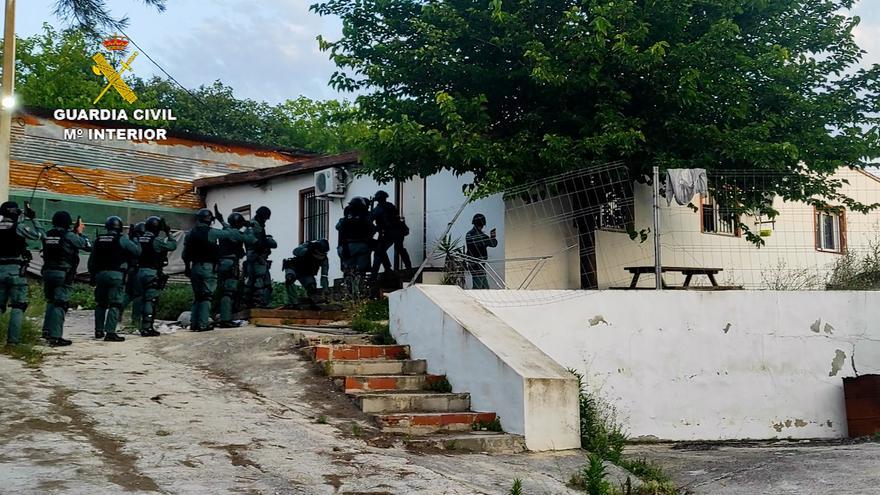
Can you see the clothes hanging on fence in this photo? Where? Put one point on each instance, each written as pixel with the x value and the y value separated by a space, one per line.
pixel 683 183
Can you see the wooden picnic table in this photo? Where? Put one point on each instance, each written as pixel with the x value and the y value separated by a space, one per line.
pixel 688 273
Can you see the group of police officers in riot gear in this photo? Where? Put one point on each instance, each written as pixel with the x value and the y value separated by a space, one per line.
pixel 128 268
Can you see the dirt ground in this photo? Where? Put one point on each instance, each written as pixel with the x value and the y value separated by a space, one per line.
pixel 228 411
pixel 238 411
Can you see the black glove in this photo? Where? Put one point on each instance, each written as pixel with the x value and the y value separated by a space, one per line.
pixel 166 227
pixel 131 233
pixel 28 211
pixel 217 214
pixel 186 270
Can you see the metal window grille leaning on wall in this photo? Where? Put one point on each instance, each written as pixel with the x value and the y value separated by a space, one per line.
pixel 584 228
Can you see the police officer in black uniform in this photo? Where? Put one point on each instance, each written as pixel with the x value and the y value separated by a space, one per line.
pixel 151 280
pixel 229 269
pixel 14 260
pixel 392 231
pixel 108 265
pixel 61 247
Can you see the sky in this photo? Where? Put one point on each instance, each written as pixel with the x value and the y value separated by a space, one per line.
pixel 266 49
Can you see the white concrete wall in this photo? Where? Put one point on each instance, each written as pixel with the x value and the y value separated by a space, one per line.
pixel 682 365
pixel 480 354
pixel 530 234
pixel 445 197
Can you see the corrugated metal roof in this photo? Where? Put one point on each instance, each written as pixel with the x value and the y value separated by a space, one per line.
pixel 43 150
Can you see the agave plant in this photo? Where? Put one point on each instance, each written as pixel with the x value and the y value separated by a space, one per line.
pixel 451 251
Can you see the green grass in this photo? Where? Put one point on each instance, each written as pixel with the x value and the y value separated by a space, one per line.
pixel 175 299
pixel 516 489
pixel 82 296
pixel 371 317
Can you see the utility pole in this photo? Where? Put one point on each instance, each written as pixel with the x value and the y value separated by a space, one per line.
pixel 7 104
pixel 658 269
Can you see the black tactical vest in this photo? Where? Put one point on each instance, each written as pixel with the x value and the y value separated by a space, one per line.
pixel 356 227
pixel 306 265
pixel 12 245
pixel 199 247
pixel 56 251
pixel 108 253
pixel 149 257
pixel 231 249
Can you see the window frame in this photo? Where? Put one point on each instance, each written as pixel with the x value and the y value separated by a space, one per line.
pixel 244 211
pixel 716 217
pixel 303 193
pixel 818 231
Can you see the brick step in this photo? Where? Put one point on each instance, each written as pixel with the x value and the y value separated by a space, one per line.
pixel 374 383
pixel 375 367
pixel 409 402
pixel 357 351
pixel 476 442
pixel 428 423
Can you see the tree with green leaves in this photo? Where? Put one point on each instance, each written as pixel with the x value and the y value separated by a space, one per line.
pixel 513 90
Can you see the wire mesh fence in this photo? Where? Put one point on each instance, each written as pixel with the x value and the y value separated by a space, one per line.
pixel 592 229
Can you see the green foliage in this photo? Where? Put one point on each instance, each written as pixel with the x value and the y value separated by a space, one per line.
pixel 514 90
pixel 442 386
pixel 591 479
pixel 601 433
pixel 856 270
pixel 516 489
pixel 82 296
pixel 375 310
pixel 371 317
pixel 645 470
pixel 29 350
pixel 53 70
pixel 175 299
pixel 93 15
pixel 493 425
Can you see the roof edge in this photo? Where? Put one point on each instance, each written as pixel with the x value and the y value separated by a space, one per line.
pixel 264 174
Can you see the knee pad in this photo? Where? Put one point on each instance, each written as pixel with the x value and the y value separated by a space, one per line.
pixel 18 305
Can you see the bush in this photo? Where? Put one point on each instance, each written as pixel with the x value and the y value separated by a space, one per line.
pixel 82 296
pixel 601 434
pixel 175 299
pixel 856 271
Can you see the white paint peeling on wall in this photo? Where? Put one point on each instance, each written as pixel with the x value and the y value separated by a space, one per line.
pixel 671 374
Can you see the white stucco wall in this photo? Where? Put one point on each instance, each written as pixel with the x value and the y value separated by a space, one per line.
pixel 789 251
pixel 480 354
pixel 445 196
pixel 680 365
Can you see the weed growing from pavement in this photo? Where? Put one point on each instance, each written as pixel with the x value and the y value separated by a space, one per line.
pixel 29 350
pixel 604 438
pixel 371 317
pixel 516 489
pixel 322 419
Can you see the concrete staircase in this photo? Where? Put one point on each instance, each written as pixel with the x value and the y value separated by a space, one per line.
pixel 402 398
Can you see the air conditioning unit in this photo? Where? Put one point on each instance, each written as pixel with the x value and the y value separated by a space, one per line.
pixel 330 182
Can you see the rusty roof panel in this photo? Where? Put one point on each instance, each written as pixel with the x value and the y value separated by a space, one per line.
pixel 105 184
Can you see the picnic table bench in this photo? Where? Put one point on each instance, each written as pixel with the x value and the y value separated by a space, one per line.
pixel 688 273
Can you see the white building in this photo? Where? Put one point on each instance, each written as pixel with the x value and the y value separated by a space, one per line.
pixel 299 213
pixel 548 241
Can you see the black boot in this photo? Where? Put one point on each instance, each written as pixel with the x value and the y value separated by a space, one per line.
pixel 46 335
pixel 227 324
pixel 112 337
pixel 59 342
pixel 99 334
pixel 150 333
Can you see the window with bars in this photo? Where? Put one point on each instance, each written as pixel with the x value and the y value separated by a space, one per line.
pixel 830 231
pixel 717 219
pixel 314 222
